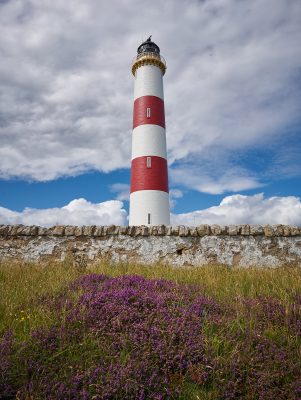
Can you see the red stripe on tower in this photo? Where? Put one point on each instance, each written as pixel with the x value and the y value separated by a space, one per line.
pixel 149 173
pixel 148 110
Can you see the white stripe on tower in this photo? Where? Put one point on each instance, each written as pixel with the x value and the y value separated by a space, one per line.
pixel 155 201
pixel 149 139
pixel 149 199
pixel 148 82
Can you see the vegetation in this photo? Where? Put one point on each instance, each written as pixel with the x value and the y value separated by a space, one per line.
pixel 149 332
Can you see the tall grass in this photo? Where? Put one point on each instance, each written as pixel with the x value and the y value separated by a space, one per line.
pixel 219 281
pixel 245 327
pixel 22 284
pixel 21 287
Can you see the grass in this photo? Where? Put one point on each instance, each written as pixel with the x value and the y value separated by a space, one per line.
pixel 251 340
pixel 21 285
pixel 219 281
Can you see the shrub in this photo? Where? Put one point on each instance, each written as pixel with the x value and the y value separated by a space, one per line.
pixel 130 337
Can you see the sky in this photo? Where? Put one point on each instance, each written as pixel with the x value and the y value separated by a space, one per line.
pixel 232 104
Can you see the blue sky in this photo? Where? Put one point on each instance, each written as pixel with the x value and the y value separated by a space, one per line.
pixel 232 99
pixel 97 187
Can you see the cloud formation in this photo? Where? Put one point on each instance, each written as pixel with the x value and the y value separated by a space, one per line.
pixel 214 181
pixel 122 191
pixel 239 209
pixel 174 195
pixel 66 89
pixel 236 209
pixel 77 212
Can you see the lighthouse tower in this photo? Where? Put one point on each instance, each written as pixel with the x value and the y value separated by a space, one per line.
pixel 149 199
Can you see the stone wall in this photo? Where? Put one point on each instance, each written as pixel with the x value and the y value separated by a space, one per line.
pixel 235 245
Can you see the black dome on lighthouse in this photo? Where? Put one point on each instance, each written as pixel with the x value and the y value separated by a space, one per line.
pixel 148 47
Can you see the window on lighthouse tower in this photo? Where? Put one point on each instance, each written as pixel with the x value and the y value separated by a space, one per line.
pixel 148 162
pixel 148 112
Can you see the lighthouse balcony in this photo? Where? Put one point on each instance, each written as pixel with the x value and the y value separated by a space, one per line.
pixel 149 58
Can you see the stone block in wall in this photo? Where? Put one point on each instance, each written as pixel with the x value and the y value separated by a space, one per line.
pixel 57 230
pixel 88 230
pixel 161 230
pixel 14 230
pixel 153 230
pixel 21 230
pixel 295 231
pixel 26 230
pixel 42 231
pixel 256 230
pixel 78 231
pixel 98 231
pixel 3 230
pixel 278 230
pixel 34 231
pixel 11 230
pixel 224 230
pixel 184 230
pixel 123 230
pixel 168 230
pixel 233 230
pixel 10 227
pixel 174 231
pixel 132 230
pixel 113 230
pixel 216 230
pixel 203 230
pixel 193 231
pixel 138 230
pixel 268 231
pixel 69 230
pixel 286 230
pixel 17 230
pixel 144 231
pixel 245 230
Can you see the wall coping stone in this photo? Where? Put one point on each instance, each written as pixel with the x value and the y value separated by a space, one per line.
pixel 14 231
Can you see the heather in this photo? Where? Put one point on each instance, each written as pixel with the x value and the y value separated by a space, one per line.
pixel 149 332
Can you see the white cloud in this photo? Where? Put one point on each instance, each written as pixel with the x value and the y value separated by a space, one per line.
pixel 217 181
pixel 122 191
pixel 236 209
pixel 66 90
pixel 77 212
pixel 173 195
pixel 239 209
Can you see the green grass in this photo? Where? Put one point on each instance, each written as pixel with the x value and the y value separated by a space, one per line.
pixel 219 281
pixel 22 285
pixel 27 291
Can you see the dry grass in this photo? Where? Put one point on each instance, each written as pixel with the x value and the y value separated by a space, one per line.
pixel 29 293
pixel 21 287
pixel 219 281
pixel 23 284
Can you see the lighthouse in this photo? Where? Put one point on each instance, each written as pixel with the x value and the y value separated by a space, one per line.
pixel 149 198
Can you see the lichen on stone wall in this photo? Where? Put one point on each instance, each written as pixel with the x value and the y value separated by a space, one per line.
pixel 234 245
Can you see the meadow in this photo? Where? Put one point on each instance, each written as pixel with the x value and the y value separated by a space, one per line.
pixel 149 332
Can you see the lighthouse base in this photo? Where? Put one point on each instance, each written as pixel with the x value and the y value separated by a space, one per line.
pixel 149 207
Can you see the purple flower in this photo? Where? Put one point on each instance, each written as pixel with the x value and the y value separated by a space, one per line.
pixel 134 338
